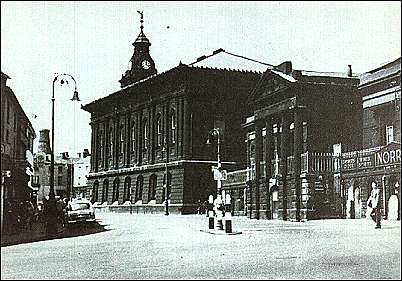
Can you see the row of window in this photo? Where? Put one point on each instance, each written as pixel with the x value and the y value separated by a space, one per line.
pixel 129 194
pixel 133 135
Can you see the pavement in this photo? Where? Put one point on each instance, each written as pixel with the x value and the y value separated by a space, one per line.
pixel 179 247
pixel 38 233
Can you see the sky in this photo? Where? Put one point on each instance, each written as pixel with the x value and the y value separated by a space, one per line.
pixel 92 42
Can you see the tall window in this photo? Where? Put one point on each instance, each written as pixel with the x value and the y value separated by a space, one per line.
pixel 121 139
pixel 100 138
pixel 95 192
pixel 139 187
pixel 145 135
pixel 8 112
pixel 105 190
pixel 389 131
pixel 158 130
pixel 127 187
pixel 110 142
pixel 116 184
pixel 152 187
pixel 133 138
pixel 172 126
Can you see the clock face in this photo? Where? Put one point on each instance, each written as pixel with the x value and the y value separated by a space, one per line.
pixel 146 64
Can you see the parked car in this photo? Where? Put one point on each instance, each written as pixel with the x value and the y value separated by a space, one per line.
pixel 80 211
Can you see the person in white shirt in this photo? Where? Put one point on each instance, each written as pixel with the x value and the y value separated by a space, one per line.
pixel 374 202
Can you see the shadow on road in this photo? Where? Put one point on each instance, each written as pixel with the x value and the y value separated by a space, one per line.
pixel 71 230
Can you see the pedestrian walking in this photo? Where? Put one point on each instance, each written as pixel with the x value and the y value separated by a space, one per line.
pixel 374 202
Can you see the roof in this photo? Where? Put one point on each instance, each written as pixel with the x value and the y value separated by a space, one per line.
pixel 329 74
pixel 284 76
pixel 4 76
pixel 387 70
pixel 152 78
pixel 293 76
pixel 225 60
pixel 7 90
pixel 142 38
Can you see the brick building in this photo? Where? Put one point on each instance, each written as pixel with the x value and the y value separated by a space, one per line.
pixel 17 136
pixel 294 132
pixel 159 120
pixel 81 168
pixel 379 159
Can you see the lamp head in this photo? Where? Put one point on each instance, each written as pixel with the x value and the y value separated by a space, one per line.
pixel 75 97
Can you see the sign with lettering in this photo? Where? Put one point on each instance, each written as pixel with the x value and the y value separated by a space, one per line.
pixel 349 163
pixel 389 155
pixel 364 162
pixel 376 157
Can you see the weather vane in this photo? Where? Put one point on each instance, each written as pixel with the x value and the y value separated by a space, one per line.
pixel 142 18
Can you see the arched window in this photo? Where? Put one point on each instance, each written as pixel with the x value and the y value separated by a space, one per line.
pixel 145 134
pixel 116 184
pixel 172 118
pixel 105 190
pixel 95 189
pixel 133 138
pixel 139 187
pixel 127 189
pixel 152 187
pixel 158 130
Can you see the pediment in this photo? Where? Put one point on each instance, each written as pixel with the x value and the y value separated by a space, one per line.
pixel 271 82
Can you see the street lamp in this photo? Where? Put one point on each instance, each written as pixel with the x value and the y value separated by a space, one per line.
pixel 219 201
pixel 215 132
pixel 51 213
pixel 166 179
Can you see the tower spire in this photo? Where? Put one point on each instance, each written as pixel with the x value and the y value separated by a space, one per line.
pixel 141 63
pixel 141 37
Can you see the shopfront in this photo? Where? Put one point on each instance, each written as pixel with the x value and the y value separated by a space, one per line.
pixel 360 168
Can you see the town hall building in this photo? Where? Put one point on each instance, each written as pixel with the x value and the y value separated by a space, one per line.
pixel 152 133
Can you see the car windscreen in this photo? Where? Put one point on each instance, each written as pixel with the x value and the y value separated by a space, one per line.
pixel 80 206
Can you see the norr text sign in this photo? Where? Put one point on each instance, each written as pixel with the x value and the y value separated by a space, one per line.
pixel 389 155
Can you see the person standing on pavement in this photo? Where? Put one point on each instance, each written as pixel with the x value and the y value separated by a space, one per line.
pixel 374 202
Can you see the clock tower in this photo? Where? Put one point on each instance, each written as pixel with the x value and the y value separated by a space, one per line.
pixel 141 63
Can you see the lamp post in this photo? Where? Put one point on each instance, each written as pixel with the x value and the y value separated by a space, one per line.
pixel 166 179
pixel 219 201
pixel 51 212
pixel 215 132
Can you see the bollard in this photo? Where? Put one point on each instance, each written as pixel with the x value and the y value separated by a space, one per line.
pixel 228 215
pixel 219 212
pixel 219 220
pixel 210 212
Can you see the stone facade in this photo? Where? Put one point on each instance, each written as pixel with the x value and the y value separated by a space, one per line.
pixel 166 119
pixel 301 110
pixel 17 136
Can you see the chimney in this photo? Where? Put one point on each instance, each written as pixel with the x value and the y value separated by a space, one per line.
pixel 349 70
pixel 285 67
pixel 44 142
